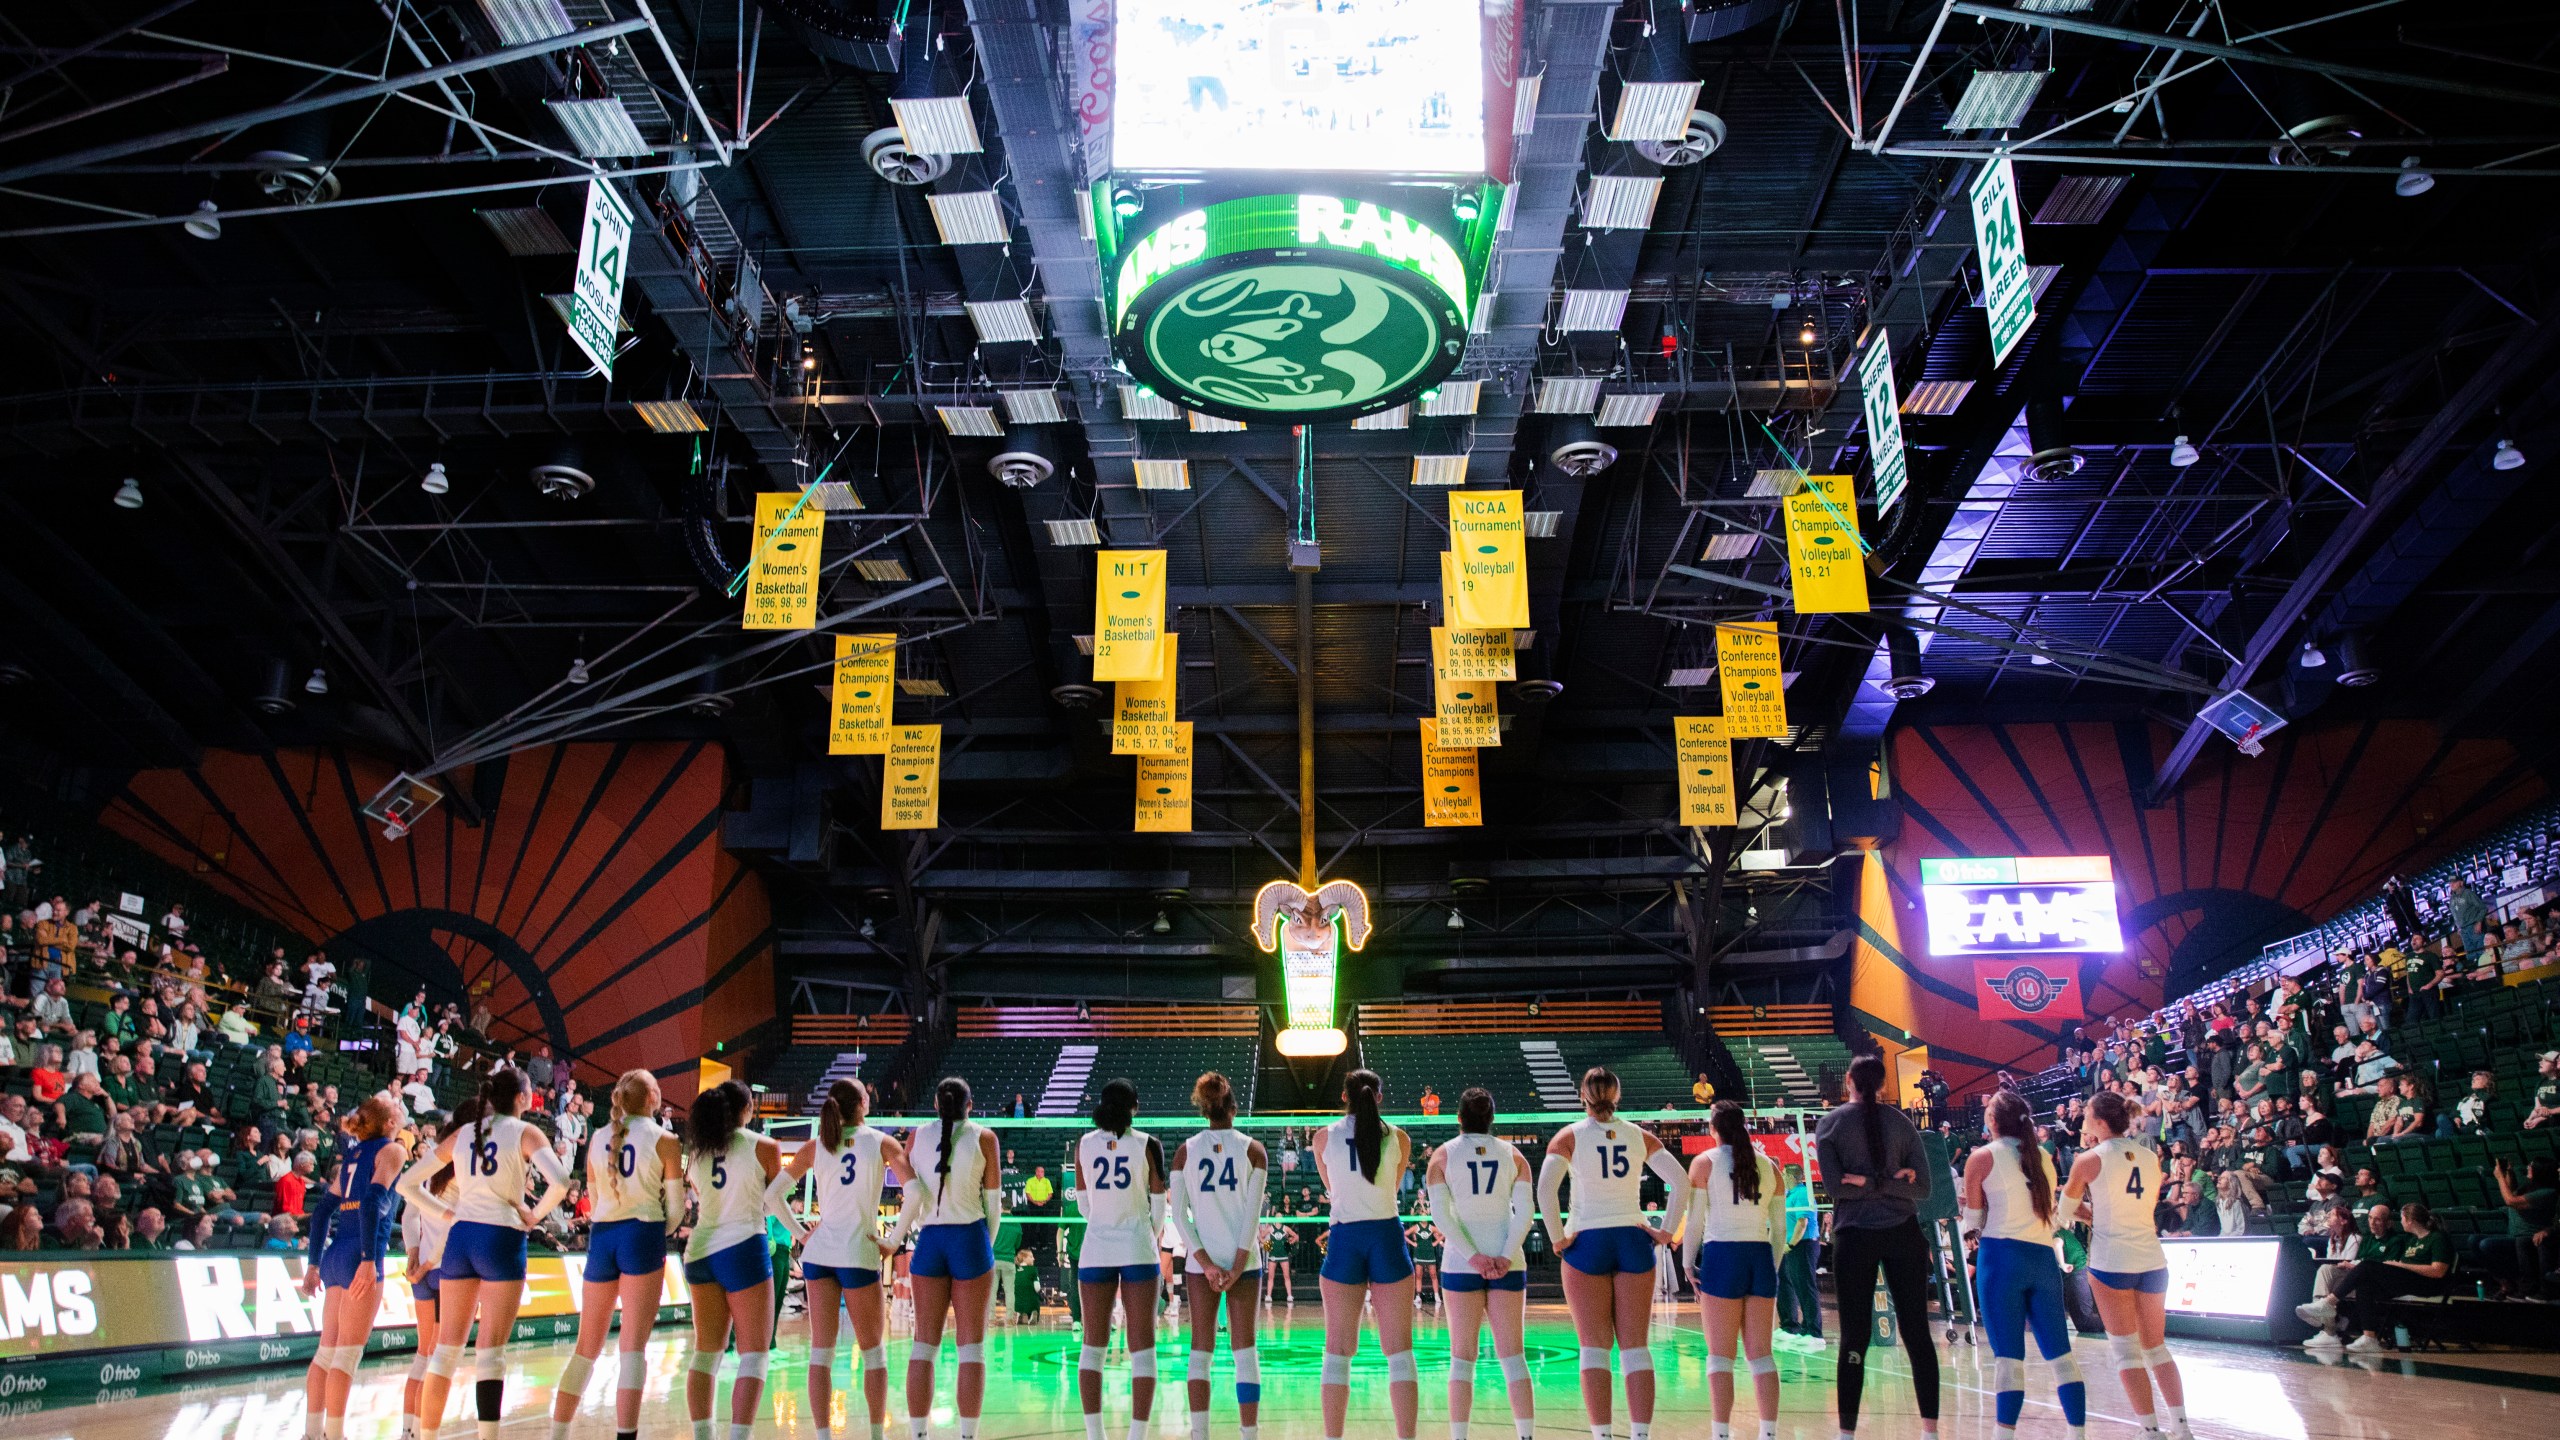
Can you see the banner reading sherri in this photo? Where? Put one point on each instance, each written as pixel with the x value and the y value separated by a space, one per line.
pixel 1164 785
pixel 1747 670
pixel 1472 654
pixel 1142 710
pixel 782 576
pixel 1450 795
pixel 911 778
pixel 865 678
pixel 2041 990
pixel 1488 535
pixel 1128 615
pixel 1822 547
pixel 1706 770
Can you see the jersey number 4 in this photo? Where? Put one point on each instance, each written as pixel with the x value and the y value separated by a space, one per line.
pixel 2133 1182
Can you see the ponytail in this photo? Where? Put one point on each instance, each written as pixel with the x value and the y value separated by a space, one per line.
pixel 1736 1137
pixel 502 1093
pixel 1368 1132
pixel 2010 1121
pixel 1597 1082
pixel 951 1107
pixel 847 1103
pixel 1866 1077
pixel 714 1119
pixel 635 1093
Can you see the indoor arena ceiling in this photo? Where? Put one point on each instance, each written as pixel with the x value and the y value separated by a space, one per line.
pixel 281 265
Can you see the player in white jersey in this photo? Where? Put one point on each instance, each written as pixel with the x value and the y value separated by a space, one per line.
pixel 1607 1249
pixel 1362 1159
pixel 1219 1180
pixel 736 1178
pixel 1482 1204
pixel 2116 1182
pixel 2009 1201
pixel 422 1233
pixel 851 1162
pixel 482 1275
pixel 1735 1231
pixel 1118 1176
pixel 951 1207
pixel 635 1179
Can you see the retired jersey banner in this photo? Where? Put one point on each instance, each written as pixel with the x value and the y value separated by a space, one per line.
pixel 1488 535
pixel 1449 792
pixel 1466 713
pixel 1755 691
pixel 1128 615
pixel 911 778
pixel 865 679
pixel 1822 547
pixel 1472 655
pixel 2027 990
pixel 1164 785
pixel 1706 770
pixel 782 575
pixel 1142 710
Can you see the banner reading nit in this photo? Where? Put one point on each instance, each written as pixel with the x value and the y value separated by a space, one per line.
pixel 1164 785
pixel 865 678
pixel 1706 769
pixel 911 778
pixel 1449 790
pixel 782 578
pixel 1128 615
pixel 1472 654
pixel 1755 694
pixel 1488 535
pixel 1142 710
pixel 1822 547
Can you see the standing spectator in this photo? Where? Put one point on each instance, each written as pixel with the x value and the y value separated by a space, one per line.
pixel 2467 910
pixel 537 1067
pixel 1799 1298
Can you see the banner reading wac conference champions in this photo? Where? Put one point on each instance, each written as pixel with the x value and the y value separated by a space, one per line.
pixel 1487 533
pixel 1128 615
pixel 911 778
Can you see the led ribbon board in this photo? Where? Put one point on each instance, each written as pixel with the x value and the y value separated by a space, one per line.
pixel 1297 307
pixel 2023 905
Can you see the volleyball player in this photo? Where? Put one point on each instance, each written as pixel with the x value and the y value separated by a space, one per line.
pixel 1877 1174
pixel 482 1277
pixel 1219 1178
pixel 1608 1248
pixel 422 1232
pixel 951 1209
pixel 841 1261
pixel 1119 1178
pixel 1360 1159
pixel 2008 1201
pixel 1731 1243
pixel 1482 1201
pixel 349 1234
pixel 635 1179
pixel 2118 1180
pixel 736 1178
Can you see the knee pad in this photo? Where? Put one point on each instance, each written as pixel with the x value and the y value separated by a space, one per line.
pixel 445 1361
pixel 752 1363
pixel 1595 1359
pixel 633 1370
pixel 2066 1368
pixel 573 1375
pixel 1763 1365
pixel 703 1362
pixel 1142 1364
pixel 418 1365
pixel 2128 1351
pixel 821 1364
pixel 1719 1364
pixel 876 1358
pixel 1400 1368
pixel 1195 1365
pixel 489 1362
pixel 1337 1369
pixel 1089 1358
pixel 973 1354
pixel 2157 1356
pixel 1515 1367
pixel 919 1353
pixel 1637 1361
pixel 2008 1374
pixel 1248 1376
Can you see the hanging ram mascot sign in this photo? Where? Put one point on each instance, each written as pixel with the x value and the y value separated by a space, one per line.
pixel 1309 930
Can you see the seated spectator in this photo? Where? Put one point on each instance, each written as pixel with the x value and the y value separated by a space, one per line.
pixel 75 1226
pixel 22 1228
pixel 2370 1066
pixel 52 1009
pixel 49 1080
pixel 297 1040
pixel 191 1093
pixel 2470 1114
pixel 2546 1093
pixel 237 1025
pixel 124 1152
pixel 2417 1266
pixel 198 1235
pixel 2321 1206
pixel 2341 1244
pixel 293 1187
pixel 284 1232
pixel 151 1229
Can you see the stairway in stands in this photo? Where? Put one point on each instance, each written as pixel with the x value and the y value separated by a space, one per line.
pixel 1800 1087
pixel 1064 1094
pixel 1548 1073
pixel 846 1064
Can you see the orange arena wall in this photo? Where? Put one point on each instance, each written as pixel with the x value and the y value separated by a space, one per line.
pixel 595 902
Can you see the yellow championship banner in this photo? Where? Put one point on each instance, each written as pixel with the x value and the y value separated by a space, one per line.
pixel 782 576
pixel 1472 654
pixel 865 678
pixel 1449 792
pixel 1822 547
pixel 1488 534
pixel 1128 615
pixel 1164 785
pixel 1448 588
pixel 1755 694
pixel 1706 770
pixel 1466 713
pixel 911 778
pixel 1142 710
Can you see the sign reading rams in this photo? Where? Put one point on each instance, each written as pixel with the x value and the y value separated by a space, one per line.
pixel 1297 307
pixel 2024 905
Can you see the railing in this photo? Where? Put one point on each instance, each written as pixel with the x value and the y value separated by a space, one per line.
pixel 989 1022
pixel 882 1030
pixel 1771 1019
pixel 1502 1017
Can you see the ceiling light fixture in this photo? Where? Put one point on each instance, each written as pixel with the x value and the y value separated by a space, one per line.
pixel 2313 657
pixel 578 671
pixel 1805 335
pixel 1456 920
pixel 435 481
pixel 206 223
pixel 129 494
pixel 2183 454
pixel 2507 458
pixel 2413 180
pixel 1163 925
pixel 318 684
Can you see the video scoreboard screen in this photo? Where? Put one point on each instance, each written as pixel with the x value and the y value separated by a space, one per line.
pixel 2021 905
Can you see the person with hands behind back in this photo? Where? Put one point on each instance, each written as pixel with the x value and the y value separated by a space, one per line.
pixel 1220 1180
pixel 1731 1243
pixel 1482 1200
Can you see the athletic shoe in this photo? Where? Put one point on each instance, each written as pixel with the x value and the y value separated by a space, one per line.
pixel 2318 1313
pixel 2181 1431
pixel 2324 1341
pixel 2365 1345
pixel 1811 1344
